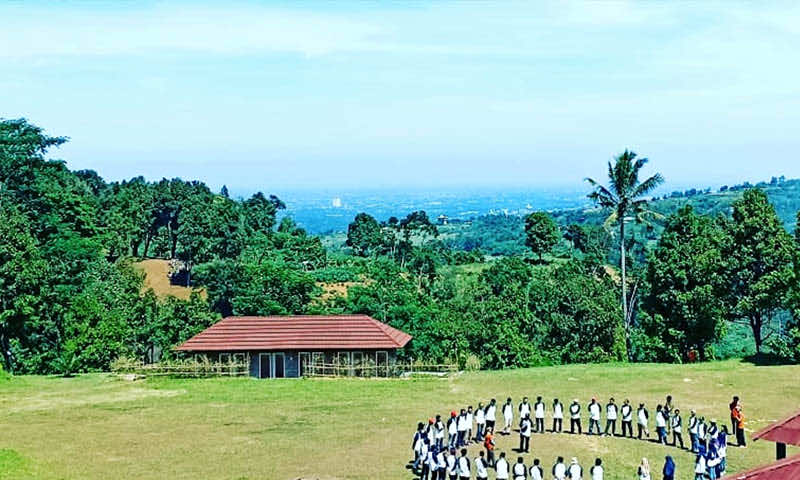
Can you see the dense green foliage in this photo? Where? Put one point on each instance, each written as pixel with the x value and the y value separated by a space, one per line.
pixel 71 299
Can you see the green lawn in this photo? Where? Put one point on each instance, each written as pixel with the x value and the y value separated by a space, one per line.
pixel 100 427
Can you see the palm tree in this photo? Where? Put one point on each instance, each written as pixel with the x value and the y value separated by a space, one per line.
pixel 624 197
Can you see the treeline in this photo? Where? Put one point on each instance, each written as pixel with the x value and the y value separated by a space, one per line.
pixel 72 299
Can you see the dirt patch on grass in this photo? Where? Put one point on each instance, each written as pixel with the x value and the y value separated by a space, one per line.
pixel 156 277
pixel 54 401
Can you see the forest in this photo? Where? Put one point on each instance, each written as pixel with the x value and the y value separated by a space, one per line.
pixel 691 277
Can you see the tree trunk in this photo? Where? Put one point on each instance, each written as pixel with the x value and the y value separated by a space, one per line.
pixel 622 262
pixel 756 322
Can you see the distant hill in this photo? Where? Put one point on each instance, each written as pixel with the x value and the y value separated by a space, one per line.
pixel 504 234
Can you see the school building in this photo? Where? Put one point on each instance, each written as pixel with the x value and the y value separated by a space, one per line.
pixel 285 346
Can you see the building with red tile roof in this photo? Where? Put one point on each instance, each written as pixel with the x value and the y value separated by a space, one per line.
pixel 282 346
pixel 786 469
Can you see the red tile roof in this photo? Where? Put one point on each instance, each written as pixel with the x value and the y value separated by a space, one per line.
pixel 786 469
pixel 786 431
pixel 301 332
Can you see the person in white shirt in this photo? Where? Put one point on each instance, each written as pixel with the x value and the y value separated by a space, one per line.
pixel 462 428
pixel 491 414
pixel 426 459
pixel 643 419
pixel 416 446
pixel 525 427
pixel 558 416
pixel 611 417
pixel 575 470
pixel 559 469
pixel 536 471
pixel 661 425
pixel 700 468
pixel 677 428
pixel 627 418
pixel 594 416
pixel 438 432
pixel 538 409
pixel 597 470
pixel 481 467
pixel 441 464
pixel 524 408
pixel 452 465
pixel 693 423
pixel 470 421
pixel 501 467
pixel 575 417
pixel 452 430
pixel 508 416
pixel 480 423
pixel 644 470
pixel 519 470
pixel 463 466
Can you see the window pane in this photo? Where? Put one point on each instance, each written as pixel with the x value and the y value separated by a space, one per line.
pixel 279 358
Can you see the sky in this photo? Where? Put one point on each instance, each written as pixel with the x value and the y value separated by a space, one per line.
pixel 262 95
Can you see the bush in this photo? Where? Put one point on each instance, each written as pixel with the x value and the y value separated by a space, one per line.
pixel 472 363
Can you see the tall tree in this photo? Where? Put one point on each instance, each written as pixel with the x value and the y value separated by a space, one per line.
pixel 364 235
pixel 541 233
pixel 762 263
pixel 688 283
pixel 625 196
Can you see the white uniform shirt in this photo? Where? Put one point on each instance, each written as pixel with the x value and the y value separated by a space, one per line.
pixel 642 417
pixel 558 410
pixel 438 428
pixel 524 409
pixel 627 413
pixel 463 467
pixel 463 426
pixel 700 466
pixel 508 412
pixel 693 424
pixel 441 460
pixel 491 412
pixel 540 410
pixel 536 474
pixel 451 464
pixel 560 471
pixel 480 417
pixel 677 425
pixel 661 421
pixel 611 411
pixel 575 411
pixel 575 472
pixel 452 428
pixel 519 471
pixel 480 468
pixel 594 411
pixel 470 418
pixel 525 428
pixel 597 472
pixel 501 466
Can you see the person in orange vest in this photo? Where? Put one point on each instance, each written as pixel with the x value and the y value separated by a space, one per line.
pixel 738 416
pixel 488 443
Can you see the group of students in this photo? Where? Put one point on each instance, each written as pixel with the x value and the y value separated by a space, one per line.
pixel 443 464
pixel 436 444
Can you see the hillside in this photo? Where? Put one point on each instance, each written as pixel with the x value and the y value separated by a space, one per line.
pixel 346 428
pixel 504 234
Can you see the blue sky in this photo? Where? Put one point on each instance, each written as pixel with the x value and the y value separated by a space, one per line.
pixel 261 95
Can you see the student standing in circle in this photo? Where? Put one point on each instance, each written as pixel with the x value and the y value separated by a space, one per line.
pixel 558 416
pixel 539 414
pixel 501 467
pixel 525 427
pixel 575 417
pixel 627 418
pixel 611 417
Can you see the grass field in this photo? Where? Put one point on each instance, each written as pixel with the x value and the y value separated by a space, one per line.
pixel 99 427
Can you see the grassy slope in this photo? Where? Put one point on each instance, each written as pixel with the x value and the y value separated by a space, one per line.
pixel 95 426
